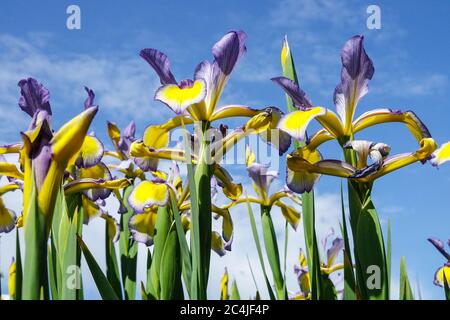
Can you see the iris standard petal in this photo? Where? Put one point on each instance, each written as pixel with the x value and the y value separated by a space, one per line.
pixel 357 70
pixel 295 123
pixel 148 194
pixel 297 95
pixel 336 247
pixel 89 102
pixel 441 155
pixel 160 63
pixel 34 97
pixel 180 98
pixel 229 49
pixel 384 115
pixel 142 227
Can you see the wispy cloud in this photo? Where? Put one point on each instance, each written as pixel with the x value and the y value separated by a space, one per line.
pixel 124 86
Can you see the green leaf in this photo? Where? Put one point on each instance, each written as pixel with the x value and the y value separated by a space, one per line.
pixel 371 260
pixel 195 227
pixel 52 270
pixel 185 253
pixel 405 287
pixel 104 287
pixel 35 280
pixel 349 274
pixel 161 230
pixel 19 272
pixel 389 254
pixel 128 250
pixel 270 241
pixel 148 275
pixel 235 291
pixel 171 287
pixel 70 285
pixel 258 248
pixel 112 266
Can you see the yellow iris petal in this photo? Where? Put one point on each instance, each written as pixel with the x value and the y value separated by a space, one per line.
pixel 179 99
pixel 142 227
pixel 113 227
pixel 441 155
pixel 290 214
pixel 68 140
pixel 295 123
pixel 90 209
pixel 427 147
pixel 232 111
pixel 148 194
pixel 7 218
pixel 379 116
pixel 12 280
pixel 14 148
pixel 10 170
pixel 217 244
pixel 232 190
pixel 439 276
pixel 249 156
pixel 91 151
pixel 89 183
pixel 224 286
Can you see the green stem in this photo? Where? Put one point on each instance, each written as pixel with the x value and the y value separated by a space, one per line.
pixel 35 284
pixel 273 255
pixel 202 179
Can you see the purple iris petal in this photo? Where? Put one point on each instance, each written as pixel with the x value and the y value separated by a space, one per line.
pixel 89 102
pixel 229 49
pixel 337 245
pixel 160 63
pixel 439 245
pixel 261 176
pixel 357 70
pixel 127 137
pixel 297 95
pixel 34 97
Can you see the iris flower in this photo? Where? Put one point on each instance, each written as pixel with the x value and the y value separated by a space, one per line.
pixel 445 269
pixel 327 268
pixel 262 178
pixel 50 157
pixel 306 164
pixel 148 195
pixel 197 99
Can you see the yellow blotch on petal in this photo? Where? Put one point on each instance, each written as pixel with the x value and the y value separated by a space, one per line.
pixel 148 194
pixel 295 123
pixel 179 99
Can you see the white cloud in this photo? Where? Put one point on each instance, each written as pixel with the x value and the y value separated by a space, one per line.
pixel 124 86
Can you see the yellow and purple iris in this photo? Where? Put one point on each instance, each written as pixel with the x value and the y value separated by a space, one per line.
pixel 306 164
pixel 327 268
pixel 8 217
pixel 442 274
pixel 197 100
pixel 262 178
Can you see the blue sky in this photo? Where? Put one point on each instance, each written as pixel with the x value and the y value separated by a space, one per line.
pixel 411 72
